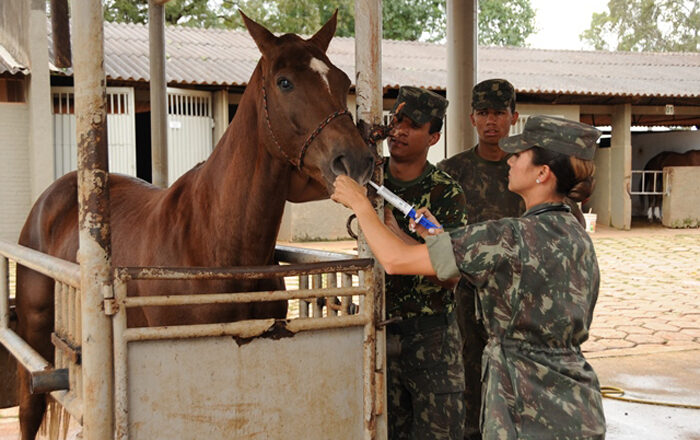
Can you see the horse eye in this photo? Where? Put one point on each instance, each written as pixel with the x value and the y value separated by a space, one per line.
pixel 284 84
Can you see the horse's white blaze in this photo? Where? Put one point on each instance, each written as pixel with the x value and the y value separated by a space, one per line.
pixel 322 69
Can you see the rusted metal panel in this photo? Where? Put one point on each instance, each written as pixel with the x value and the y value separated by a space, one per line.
pixel 306 387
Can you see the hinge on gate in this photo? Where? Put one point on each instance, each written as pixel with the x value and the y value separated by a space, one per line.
pixel 111 306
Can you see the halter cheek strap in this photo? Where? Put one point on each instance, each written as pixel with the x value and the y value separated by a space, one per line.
pixel 299 163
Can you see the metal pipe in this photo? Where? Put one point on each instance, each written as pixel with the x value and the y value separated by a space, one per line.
pixel 50 380
pixel 56 268
pixel 291 254
pixel 240 272
pixel 121 377
pixel 60 30
pixel 29 358
pixel 368 92
pixel 243 329
pixel 241 297
pixel 93 218
pixel 158 93
pixel 4 293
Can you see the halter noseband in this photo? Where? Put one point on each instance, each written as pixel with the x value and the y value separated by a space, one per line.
pixel 299 163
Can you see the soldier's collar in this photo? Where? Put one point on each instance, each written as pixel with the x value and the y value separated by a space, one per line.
pixel 546 207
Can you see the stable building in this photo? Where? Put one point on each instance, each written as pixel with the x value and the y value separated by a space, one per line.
pixel 207 72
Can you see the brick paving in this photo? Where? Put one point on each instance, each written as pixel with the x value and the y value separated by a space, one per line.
pixel 649 297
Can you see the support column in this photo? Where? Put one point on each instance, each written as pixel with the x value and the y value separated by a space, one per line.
pixel 368 90
pixel 462 43
pixel 621 167
pixel 94 236
pixel 158 87
pixel 41 149
pixel 220 110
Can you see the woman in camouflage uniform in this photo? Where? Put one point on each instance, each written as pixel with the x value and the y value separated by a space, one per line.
pixel 537 279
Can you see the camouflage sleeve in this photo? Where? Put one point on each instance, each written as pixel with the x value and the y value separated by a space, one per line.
pixel 481 248
pixel 448 203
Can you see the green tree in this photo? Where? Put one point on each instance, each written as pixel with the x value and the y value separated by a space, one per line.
pixel 196 13
pixel 505 22
pixel 501 22
pixel 647 25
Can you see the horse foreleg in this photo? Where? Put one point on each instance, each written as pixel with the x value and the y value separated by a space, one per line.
pixel 657 213
pixel 650 214
pixel 35 311
pixel 32 407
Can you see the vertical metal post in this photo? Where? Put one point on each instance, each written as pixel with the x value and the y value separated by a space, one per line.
pixel 4 293
pixel 93 217
pixel 158 94
pixel 368 91
pixel 461 73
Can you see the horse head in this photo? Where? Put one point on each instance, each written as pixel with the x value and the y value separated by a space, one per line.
pixel 304 102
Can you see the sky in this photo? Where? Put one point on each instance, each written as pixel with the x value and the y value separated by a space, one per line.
pixel 558 23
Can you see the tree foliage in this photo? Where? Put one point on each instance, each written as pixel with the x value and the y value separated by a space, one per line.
pixel 505 22
pixel 501 22
pixel 196 13
pixel 647 25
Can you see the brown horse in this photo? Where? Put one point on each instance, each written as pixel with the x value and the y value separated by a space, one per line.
pixel 290 138
pixel 658 163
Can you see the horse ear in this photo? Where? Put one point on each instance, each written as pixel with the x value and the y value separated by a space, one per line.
pixel 263 38
pixel 323 37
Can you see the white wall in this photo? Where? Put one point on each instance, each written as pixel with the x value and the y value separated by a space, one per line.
pixel 647 145
pixel 15 183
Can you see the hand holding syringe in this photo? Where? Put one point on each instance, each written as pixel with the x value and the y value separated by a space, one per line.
pixel 404 207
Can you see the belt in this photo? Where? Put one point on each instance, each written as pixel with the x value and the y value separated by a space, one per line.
pixel 420 323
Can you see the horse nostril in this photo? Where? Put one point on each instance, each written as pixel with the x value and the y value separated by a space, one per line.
pixel 340 166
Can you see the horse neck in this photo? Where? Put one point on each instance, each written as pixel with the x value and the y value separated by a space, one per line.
pixel 246 188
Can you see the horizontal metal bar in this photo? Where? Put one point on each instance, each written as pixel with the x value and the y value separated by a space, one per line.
pixel 292 254
pixel 29 358
pixel 243 329
pixel 242 297
pixel 73 353
pixel 56 268
pixel 71 403
pixel 50 380
pixel 240 272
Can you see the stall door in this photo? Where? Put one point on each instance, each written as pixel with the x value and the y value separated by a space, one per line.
pixel 121 131
pixel 190 130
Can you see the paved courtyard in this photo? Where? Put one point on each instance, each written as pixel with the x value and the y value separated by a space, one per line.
pixel 646 325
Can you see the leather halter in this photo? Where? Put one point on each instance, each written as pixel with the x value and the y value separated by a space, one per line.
pixel 300 162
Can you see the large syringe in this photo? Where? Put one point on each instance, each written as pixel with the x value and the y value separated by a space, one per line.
pixel 403 206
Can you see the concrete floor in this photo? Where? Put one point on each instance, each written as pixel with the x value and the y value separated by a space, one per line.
pixel 664 377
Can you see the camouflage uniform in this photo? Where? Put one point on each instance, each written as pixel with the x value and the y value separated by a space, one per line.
pixel 485 185
pixel 426 377
pixel 537 283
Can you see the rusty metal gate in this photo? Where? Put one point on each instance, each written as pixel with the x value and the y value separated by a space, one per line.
pixel 228 380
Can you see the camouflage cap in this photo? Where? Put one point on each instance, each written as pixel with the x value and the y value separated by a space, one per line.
pixel 421 105
pixel 556 134
pixel 497 94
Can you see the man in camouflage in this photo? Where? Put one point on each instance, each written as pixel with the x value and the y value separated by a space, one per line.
pixel 536 310
pixel 424 366
pixel 482 172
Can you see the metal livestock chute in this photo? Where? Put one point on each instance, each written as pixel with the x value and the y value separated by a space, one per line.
pixel 295 378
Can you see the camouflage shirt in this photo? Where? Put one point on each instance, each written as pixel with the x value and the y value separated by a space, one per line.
pixel 537 281
pixel 485 185
pixel 411 296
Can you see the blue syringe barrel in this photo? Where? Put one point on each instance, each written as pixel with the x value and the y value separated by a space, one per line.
pixel 402 206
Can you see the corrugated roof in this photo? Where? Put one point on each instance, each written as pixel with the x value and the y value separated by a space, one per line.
pixel 8 63
pixel 228 57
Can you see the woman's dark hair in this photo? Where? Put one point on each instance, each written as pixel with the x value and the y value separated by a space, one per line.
pixel 574 175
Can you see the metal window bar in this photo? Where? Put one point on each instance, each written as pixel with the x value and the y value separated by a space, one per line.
pixel 659 185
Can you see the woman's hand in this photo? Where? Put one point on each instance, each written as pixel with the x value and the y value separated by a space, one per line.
pixel 349 193
pixel 418 228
